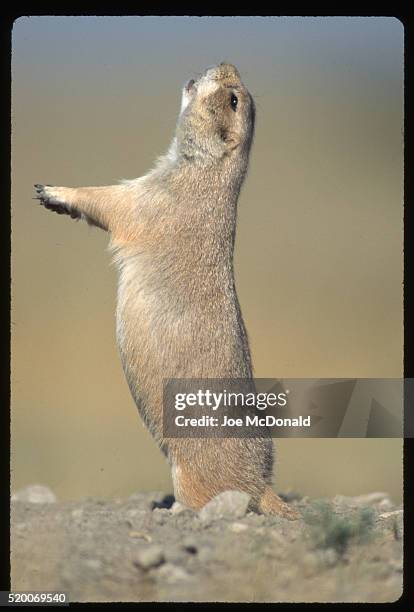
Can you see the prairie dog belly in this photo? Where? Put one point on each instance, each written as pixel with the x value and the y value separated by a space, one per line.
pixel 161 335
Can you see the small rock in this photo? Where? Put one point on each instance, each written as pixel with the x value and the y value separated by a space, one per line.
pixel 35 494
pixel 371 498
pixel 93 564
pixel 78 513
pixel 394 521
pixel 178 508
pixel 397 565
pixel 255 519
pixel 229 504
pixel 150 557
pixel 329 557
pixel 172 573
pixel 368 499
pixel 394 514
pixel 238 527
pixel 140 535
pixel 385 504
pixel 160 515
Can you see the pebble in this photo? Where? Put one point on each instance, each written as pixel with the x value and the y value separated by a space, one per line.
pixel 229 504
pixel 93 564
pixel 238 527
pixel 394 521
pixel 160 515
pixel 398 514
pixel 329 557
pixel 385 504
pixel 369 499
pixel 172 573
pixel 178 508
pixel 150 557
pixel 256 519
pixel 35 494
pixel 397 565
pixel 140 535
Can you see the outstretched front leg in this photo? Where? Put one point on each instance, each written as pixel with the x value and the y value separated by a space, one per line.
pixel 100 206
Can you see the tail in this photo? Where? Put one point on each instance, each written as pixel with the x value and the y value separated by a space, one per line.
pixel 270 503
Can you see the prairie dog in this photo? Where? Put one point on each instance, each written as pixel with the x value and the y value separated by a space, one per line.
pixel 172 233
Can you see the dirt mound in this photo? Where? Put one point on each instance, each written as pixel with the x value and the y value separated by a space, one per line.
pixel 147 548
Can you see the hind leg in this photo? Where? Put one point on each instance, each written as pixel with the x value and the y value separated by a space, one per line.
pixel 194 493
pixel 188 489
pixel 195 485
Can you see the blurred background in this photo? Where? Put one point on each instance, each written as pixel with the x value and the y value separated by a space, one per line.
pixel 319 263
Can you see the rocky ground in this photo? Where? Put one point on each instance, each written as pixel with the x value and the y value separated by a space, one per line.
pixel 147 548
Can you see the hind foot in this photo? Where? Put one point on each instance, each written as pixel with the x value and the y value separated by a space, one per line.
pixel 270 503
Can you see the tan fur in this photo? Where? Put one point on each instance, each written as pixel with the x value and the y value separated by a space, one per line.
pixel 172 234
pixel 270 503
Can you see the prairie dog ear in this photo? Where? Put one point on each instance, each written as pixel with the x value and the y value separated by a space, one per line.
pixel 185 100
pixel 187 94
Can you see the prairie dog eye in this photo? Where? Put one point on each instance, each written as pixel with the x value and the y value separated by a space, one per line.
pixel 233 101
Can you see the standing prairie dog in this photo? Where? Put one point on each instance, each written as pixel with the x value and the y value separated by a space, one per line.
pixel 172 233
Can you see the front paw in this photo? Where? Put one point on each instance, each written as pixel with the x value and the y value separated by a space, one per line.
pixel 49 198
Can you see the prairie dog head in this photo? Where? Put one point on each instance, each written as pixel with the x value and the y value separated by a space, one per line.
pixel 217 116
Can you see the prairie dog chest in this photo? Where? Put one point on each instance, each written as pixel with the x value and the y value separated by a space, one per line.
pixel 134 300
